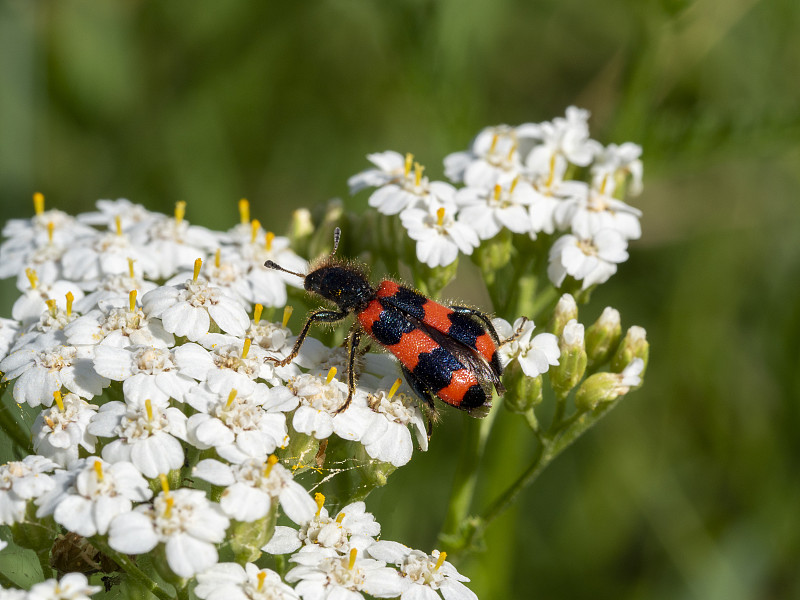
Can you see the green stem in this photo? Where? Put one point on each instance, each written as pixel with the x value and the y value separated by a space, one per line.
pixel 545 453
pixel 466 475
pixel 131 569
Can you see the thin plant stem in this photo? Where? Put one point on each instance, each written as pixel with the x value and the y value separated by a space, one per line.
pixel 556 443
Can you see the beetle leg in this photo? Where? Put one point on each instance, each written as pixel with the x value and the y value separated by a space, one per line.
pixel 318 316
pixel 352 376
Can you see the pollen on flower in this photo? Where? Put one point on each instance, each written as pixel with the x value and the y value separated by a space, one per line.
pixel 255 225
pixel 268 239
pixel 257 310
pixel 331 375
pixel 197 264
pixel 50 229
pixel 70 299
pixel 394 388
pixel 353 556
pixel 320 500
pixel 246 347
pixel 98 469
pixel 180 210
pixel 33 278
pixel 59 402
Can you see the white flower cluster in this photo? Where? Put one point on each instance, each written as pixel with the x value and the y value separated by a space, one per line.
pixel 521 179
pixel 132 337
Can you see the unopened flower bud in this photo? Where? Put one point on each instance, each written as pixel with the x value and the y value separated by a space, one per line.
pixel 635 345
pixel 522 392
pixel 572 363
pixel 606 387
pixel 602 337
pixel 565 311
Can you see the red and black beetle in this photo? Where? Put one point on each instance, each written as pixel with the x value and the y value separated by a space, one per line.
pixel 444 351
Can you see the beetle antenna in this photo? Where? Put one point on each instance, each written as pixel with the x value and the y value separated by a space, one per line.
pixel 337 233
pixel 273 265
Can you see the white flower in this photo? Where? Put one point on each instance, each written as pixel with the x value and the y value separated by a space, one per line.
pixel 112 287
pixel 72 586
pixel 172 241
pixel 59 432
pixel 33 302
pixel 88 496
pixel 493 156
pixel 353 527
pixel 380 421
pixel 614 164
pixel 45 367
pixel 391 169
pixel 8 333
pixel 241 419
pixel 320 400
pixel 146 372
pixel 122 209
pixel 534 354
pixel 183 520
pixel 108 253
pixel 400 187
pixel 323 574
pixel 231 356
pixel 21 481
pixel 587 211
pixel 268 286
pixel 118 322
pixel 491 209
pixel 592 260
pixel 424 574
pixel 562 139
pixel 439 236
pixel 252 486
pixel 186 310
pixel 148 432
pixel 231 581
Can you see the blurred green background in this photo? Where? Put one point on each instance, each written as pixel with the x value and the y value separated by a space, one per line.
pixel 690 488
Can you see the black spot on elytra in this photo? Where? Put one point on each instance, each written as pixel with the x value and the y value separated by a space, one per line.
pixel 474 397
pixel 435 368
pixel 390 327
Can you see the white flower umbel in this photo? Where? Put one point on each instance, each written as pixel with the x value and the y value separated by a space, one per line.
pixel 490 210
pixel 88 496
pixel 277 341
pixel 426 576
pixel 22 481
pixel 591 261
pixel 252 486
pixel 322 573
pixel 241 419
pixel 45 367
pixel 184 520
pixel 121 210
pixel 231 581
pixel 353 527
pixel 72 586
pixel 148 432
pixel 113 287
pixel 118 322
pixel 535 354
pixel 146 372
pixel 587 211
pixel 439 235
pixel 187 310
pixel 60 431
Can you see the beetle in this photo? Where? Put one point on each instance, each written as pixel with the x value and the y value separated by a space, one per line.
pixel 445 351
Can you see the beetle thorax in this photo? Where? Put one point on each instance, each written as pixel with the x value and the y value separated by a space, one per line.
pixel 343 286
